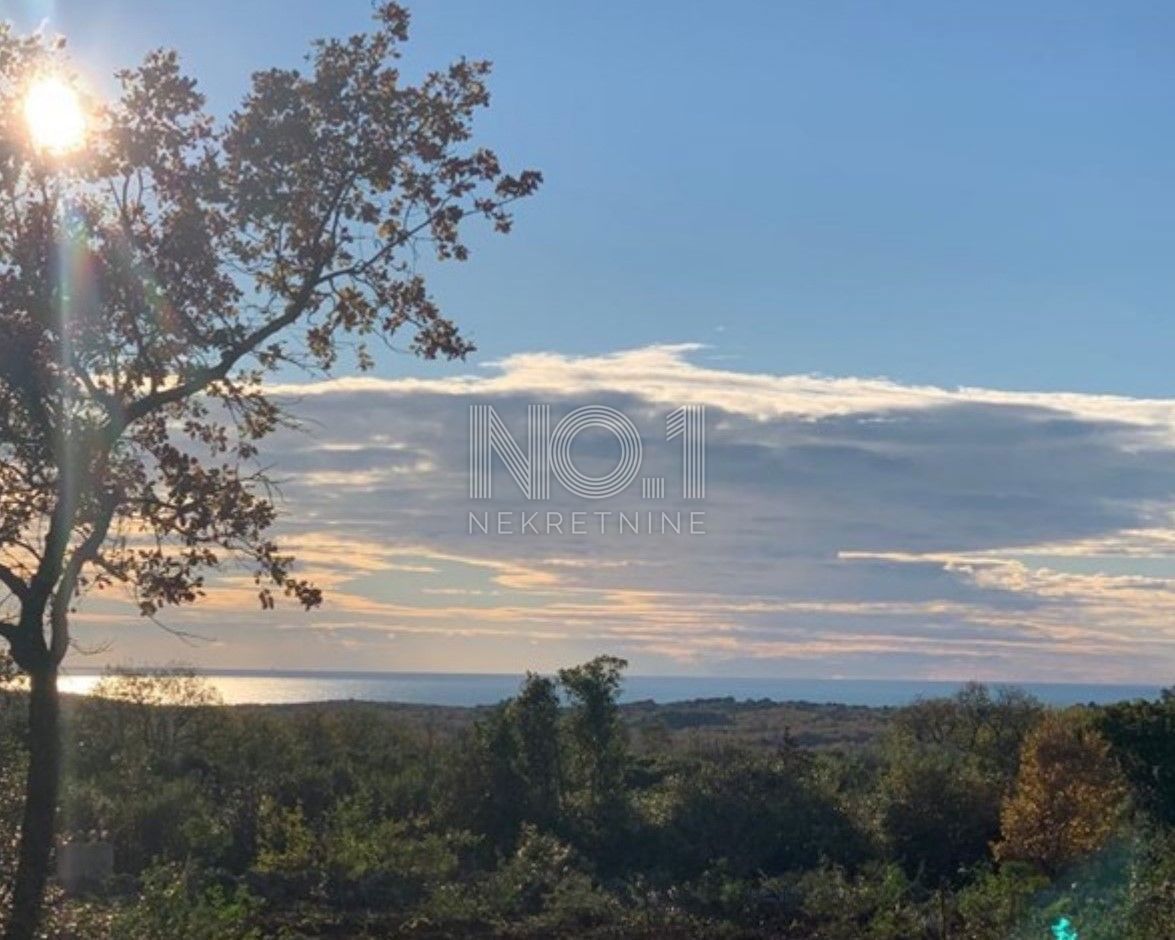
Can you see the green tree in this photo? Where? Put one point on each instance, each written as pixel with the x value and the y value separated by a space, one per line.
pixel 974 723
pixel 134 403
pixel 997 901
pixel 599 754
pixel 1152 887
pixel 137 748
pixel 535 715
pixel 876 904
pixel 939 814
pixel 512 774
pixel 1143 736
pixel 492 781
pixel 754 815
pixel 181 901
pixel 160 717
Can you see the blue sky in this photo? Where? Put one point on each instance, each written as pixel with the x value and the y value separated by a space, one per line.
pixel 958 194
pixel 914 259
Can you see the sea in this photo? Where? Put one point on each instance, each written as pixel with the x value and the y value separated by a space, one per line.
pixel 238 687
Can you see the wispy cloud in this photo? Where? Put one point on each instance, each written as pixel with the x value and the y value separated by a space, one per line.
pixel 854 526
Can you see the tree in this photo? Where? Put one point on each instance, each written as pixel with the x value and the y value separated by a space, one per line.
pixel 939 813
pixel 511 772
pixel 139 743
pixel 973 724
pixel 155 713
pixel 598 755
pixel 492 773
pixel 949 761
pixel 1068 795
pixel 594 725
pixel 1143 735
pixel 133 399
pixel 535 713
pixel 754 815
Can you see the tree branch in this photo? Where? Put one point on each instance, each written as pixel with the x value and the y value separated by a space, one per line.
pixel 59 613
pixel 13 582
pixel 294 310
pixel 205 377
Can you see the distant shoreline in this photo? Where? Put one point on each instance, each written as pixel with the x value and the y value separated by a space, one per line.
pixel 293 686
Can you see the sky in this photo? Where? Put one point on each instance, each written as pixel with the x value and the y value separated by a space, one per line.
pixel 914 260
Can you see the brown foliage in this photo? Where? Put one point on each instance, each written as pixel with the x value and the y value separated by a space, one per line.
pixel 150 281
pixel 1068 796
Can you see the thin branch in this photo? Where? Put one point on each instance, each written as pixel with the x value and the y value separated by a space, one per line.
pixel 103 647
pixel 184 636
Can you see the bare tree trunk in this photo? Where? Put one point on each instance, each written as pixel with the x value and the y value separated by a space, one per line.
pixel 40 808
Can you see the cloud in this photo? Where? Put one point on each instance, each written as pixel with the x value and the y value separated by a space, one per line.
pixel 665 374
pixel 853 527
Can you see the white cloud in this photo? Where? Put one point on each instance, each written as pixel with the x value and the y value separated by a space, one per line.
pixel 854 527
pixel 665 374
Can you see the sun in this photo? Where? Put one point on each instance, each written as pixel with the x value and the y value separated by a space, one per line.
pixel 53 112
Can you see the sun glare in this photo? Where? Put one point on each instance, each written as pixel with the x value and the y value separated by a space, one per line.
pixel 54 115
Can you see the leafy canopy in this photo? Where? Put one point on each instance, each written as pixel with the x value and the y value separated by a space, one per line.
pixel 152 279
pixel 1068 796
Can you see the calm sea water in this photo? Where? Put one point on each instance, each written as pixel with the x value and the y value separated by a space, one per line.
pixel 241 687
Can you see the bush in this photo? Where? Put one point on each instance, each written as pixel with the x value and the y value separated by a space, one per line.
pixel 183 902
pixel 874 905
pixel 762 816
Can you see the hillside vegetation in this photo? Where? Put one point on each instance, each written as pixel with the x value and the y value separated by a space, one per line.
pixel 560 813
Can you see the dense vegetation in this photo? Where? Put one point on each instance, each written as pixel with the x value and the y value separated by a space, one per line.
pixel 561 813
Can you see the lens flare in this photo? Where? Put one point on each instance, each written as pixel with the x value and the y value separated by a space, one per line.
pixel 1063 930
pixel 53 112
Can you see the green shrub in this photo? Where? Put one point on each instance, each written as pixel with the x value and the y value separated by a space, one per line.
pixel 182 902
